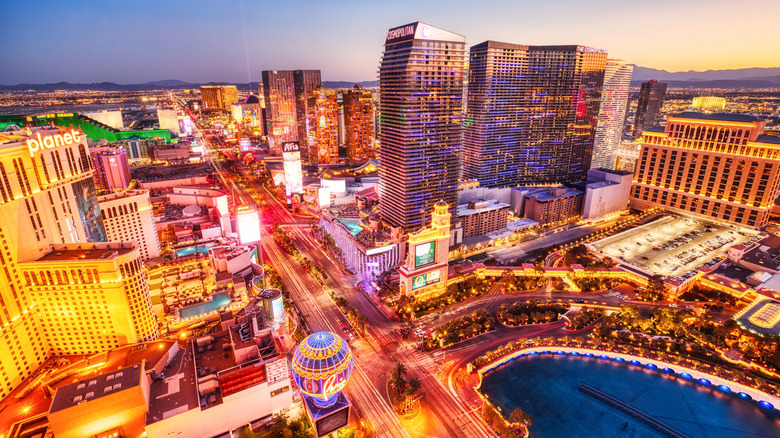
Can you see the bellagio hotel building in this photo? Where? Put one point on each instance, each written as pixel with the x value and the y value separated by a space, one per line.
pixel 718 166
pixel 63 289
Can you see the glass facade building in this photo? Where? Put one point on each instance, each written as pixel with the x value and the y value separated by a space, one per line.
pixel 358 124
pixel 531 113
pixel 420 122
pixel 290 98
pixel 648 109
pixel 612 114
pixel 326 142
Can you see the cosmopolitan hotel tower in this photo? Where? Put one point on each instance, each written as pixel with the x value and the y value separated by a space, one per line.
pixel 531 113
pixel 63 290
pixel 421 96
pixel 713 165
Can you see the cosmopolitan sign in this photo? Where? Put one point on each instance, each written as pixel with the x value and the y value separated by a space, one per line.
pixel 51 141
pixel 400 32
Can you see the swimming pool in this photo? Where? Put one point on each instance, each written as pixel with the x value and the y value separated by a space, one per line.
pixel 546 387
pixel 352 224
pixel 219 300
pixel 191 250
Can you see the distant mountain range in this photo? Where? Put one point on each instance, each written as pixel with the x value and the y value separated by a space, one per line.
pixel 172 84
pixel 734 78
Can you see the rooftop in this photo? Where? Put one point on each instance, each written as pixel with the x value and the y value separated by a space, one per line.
pixel 723 117
pixel 771 139
pixel 96 387
pixel 86 251
pixel 480 206
pixel 766 254
pixel 175 171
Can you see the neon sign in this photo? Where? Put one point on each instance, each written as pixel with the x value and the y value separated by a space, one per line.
pixel 52 141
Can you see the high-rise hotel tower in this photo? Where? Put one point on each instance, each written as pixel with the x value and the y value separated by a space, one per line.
pixel 612 114
pixel 420 122
pixel 718 166
pixel 531 113
pixel 63 290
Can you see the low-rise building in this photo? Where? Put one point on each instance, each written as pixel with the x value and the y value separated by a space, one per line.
pixel 606 193
pixel 553 205
pixel 482 217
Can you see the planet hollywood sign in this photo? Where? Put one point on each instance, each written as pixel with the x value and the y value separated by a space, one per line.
pixel 51 141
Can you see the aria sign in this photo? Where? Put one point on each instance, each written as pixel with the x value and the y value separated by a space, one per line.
pixel 52 141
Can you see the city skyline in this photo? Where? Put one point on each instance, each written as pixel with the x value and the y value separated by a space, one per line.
pixel 217 43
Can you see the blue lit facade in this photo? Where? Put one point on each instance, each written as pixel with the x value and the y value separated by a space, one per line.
pixel 321 367
pixel 420 122
pixel 532 113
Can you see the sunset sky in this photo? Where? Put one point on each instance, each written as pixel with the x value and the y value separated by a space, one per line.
pixel 233 40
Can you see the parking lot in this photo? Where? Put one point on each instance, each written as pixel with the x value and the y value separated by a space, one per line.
pixel 674 246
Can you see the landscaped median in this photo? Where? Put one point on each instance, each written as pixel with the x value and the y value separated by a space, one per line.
pixel 460 329
pixel 762 399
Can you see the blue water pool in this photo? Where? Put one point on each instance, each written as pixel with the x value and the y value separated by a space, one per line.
pixel 352 224
pixel 204 308
pixel 546 387
pixel 191 250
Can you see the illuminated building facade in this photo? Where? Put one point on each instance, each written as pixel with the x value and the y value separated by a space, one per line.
pixel 279 96
pixel 325 147
pixel 128 217
pixel 112 171
pixel 709 103
pixel 307 82
pixel 218 96
pixel 531 113
pixel 290 102
pixel 420 124
pixel 648 110
pixel 612 114
pixel 713 165
pixel 359 129
pixel 92 297
pixel 424 273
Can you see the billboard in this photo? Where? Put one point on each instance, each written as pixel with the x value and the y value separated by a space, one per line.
pixel 293 175
pixel 426 279
pixel 424 254
pixel 332 422
pixel 248 224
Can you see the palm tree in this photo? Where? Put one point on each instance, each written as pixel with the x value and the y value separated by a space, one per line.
pixel 399 378
pixel 412 386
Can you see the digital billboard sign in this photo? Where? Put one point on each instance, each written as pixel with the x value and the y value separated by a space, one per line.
pixel 424 254
pixel 293 175
pixel 248 224
pixel 426 279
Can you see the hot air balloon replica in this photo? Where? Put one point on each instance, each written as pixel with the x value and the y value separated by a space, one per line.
pixel 321 367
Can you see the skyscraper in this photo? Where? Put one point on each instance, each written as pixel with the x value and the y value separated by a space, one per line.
pixel 279 97
pixel 358 124
pixel 612 114
pixel 714 165
pixel 306 84
pixel 52 299
pixel 531 113
pixel 326 141
pixel 128 217
pixel 290 101
pixel 648 109
pixel 112 172
pixel 420 122
pixel 218 96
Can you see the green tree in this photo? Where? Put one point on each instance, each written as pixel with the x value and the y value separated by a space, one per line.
pixel 519 416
